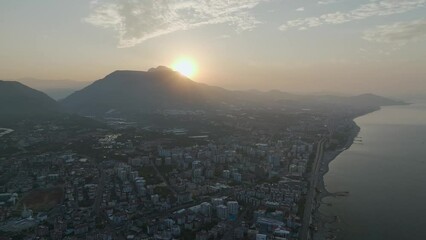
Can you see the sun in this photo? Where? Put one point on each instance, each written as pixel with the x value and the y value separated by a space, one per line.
pixel 185 66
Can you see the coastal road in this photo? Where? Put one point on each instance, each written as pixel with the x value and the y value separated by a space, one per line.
pixel 310 197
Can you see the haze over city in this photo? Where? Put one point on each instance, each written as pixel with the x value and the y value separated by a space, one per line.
pixel 212 119
pixel 296 46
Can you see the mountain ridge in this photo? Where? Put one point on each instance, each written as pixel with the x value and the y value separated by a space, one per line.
pixel 20 102
pixel 16 98
pixel 148 90
pixel 162 88
pixel 56 89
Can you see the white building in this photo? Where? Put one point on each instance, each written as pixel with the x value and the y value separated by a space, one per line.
pixel 261 237
pixel 237 177
pixel 222 212
pixel 217 201
pixel 196 164
pixel 155 198
pixel 133 174
pixel 197 173
pixel 206 208
pixel 122 174
pixel 158 161
pixel 233 208
pixel 176 230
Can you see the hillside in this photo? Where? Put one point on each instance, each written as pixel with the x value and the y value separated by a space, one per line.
pixel 158 88
pixel 161 88
pixel 56 89
pixel 16 98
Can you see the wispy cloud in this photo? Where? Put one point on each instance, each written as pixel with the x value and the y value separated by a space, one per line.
pixel 138 20
pixel 371 9
pixel 325 2
pixel 400 33
pixel 301 9
pixel 224 36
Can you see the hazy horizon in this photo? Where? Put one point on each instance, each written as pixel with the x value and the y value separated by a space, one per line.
pixel 212 119
pixel 304 46
pixel 52 86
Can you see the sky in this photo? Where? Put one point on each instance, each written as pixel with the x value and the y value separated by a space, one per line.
pixel 344 46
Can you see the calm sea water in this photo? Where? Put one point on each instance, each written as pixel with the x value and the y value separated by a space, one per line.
pixel 385 175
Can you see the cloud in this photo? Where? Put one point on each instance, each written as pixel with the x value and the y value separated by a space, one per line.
pixel 301 9
pixel 325 2
pixel 136 21
pixel 224 36
pixel 400 33
pixel 371 9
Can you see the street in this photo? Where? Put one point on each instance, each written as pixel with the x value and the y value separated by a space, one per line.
pixel 307 215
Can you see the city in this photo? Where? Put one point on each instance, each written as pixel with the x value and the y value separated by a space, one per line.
pixel 212 120
pixel 125 182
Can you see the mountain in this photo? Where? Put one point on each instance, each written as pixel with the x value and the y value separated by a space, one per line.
pixel 19 102
pixel 56 89
pixel 359 103
pixel 157 88
pixel 370 99
pixel 162 88
pixel 18 99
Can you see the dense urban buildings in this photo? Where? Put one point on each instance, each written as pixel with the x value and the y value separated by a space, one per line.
pixel 232 178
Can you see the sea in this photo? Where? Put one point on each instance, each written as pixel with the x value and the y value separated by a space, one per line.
pixel 384 172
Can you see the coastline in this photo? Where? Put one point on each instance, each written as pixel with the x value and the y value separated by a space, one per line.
pixel 327 226
pixel 320 220
pixel 385 137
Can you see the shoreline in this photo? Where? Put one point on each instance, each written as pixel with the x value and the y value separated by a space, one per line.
pixel 327 226
pixel 320 220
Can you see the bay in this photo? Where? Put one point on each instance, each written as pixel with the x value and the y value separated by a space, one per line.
pixel 385 174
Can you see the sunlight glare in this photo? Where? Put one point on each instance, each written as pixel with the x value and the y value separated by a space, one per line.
pixel 185 67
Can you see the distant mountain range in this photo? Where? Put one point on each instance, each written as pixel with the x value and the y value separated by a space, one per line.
pixel 164 89
pixel 56 89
